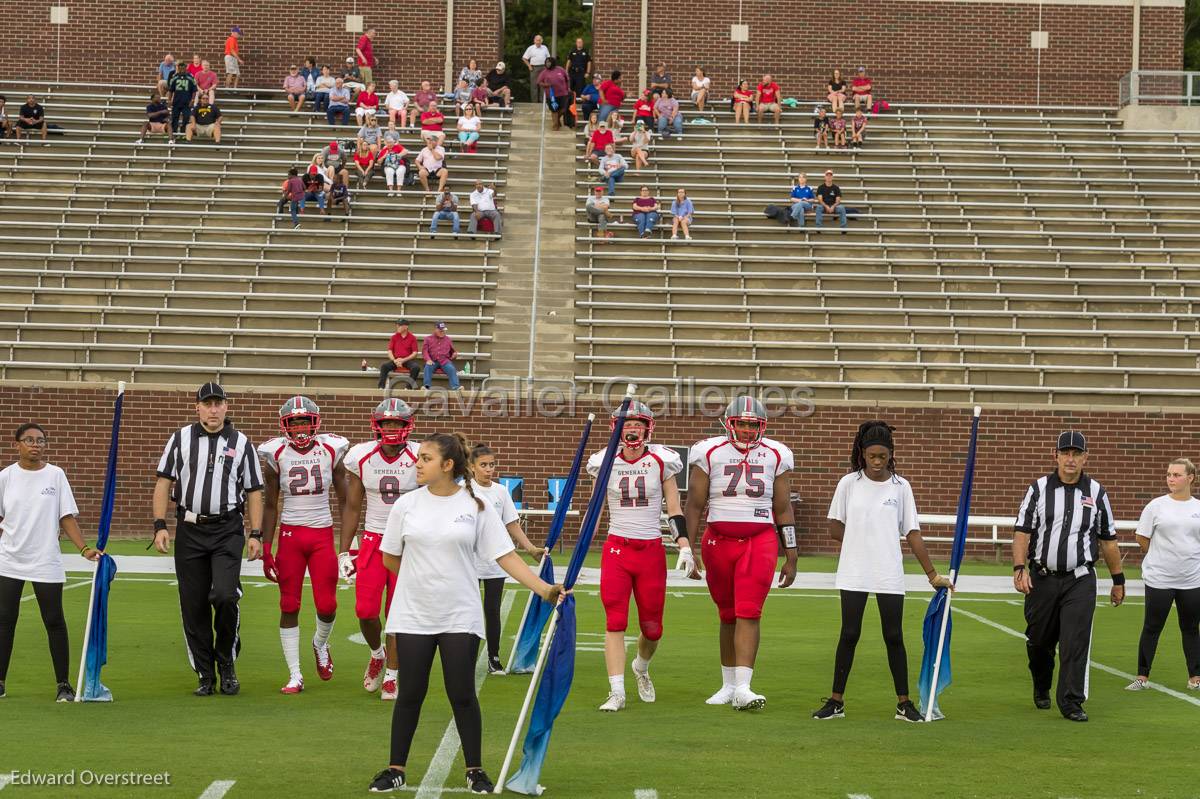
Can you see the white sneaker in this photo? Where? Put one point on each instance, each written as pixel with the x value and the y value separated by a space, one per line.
pixel 373 677
pixel 139 141
pixel 721 697
pixel 614 703
pixel 1193 686
pixel 745 699
pixel 388 694
pixel 644 686
pixel 1138 685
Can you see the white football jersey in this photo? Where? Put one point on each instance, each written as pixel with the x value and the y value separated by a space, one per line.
pixel 305 478
pixel 635 490
pixel 741 485
pixel 384 480
pixel 500 499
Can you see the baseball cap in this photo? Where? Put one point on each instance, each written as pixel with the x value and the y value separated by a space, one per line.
pixel 1072 439
pixel 402 321
pixel 210 391
pixel 828 171
pixel 349 59
pixel 234 29
pixel 598 188
pixel 499 66
pixel 440 326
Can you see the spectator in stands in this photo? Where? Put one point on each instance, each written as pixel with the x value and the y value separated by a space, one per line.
pixel 829 201
pixel 579 66
pixel 339 192
pixel 395 167
pixel 461 97
pixel 295 87
pixel 196 65
pixel 367 104
pixel 858 129
pixel 821 128
pixel 481 98
pixel 352 77
pixel 396 103
pixel 701 83
pixel 317 164
pixel 339 103
pixel 183 91
pixel 30 117
pixel 803 199
pixel 643 110
pixel 600 139
pixel 206 121
pixel 324 84
pixel 365 56
pixel 611 94
pixel 598 213
pixel 645 212
pixel 640 145
pixel 432 161
pixel 421 100
pixel 233 61
pixel 861 88
pixel 471 73
pixel 5 123
pixel 615 124
pixel 445 208
pixel 589 98
pixel 439 354
pixel 669 115
pixel 556 85
pixel 293 195
pixel 483 206
pixel 403 353
pixel 335 159
pixel 836 91
pixel 499 84
pixel 468 129
pixel 838 126
pixel 314 190
pixel 612 168
pixel 364 164
pixel 682 212
pixel 660 79
pixel 310 73
pixel 206 82
pixel 166 67
pixel 158 117
pixel 370 136
pixel 535 58
pixel 431 125
pixel 743 98
pixel 767 98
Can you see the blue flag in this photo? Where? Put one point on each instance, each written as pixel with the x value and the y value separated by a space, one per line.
pixel 936 632
pixel 560 662
pixel 95 651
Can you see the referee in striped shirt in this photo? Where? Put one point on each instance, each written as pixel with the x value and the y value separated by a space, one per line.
pixel 211 472
pixel 1064 523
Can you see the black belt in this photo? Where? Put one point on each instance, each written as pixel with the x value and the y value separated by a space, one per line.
pixel 199 518
pixel 1042 570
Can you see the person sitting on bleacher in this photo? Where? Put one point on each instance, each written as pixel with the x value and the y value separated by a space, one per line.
pixel 461 97
pixel 370 135
pixel 439 353
pixel 669 115
pixel 395 166
pixel 431 125
pixel 421 100
pixel 682 212
pixel 206 122
pixel 339 103
pixel 195 66
pixel 314 190
pixel 660 79
pixel 598 213
pixel 612 168
pixel 639 146
pixel 701 83
pixel 599 141
pixel 643 109
pixel 821 128
pixel 367 104
pixel 481 98
pixel 589 98
pixel 5 122
pixel 858 129
pixel 30 117
pixel 483 206
pixel 432 161
pixel 829 201
pixel 743 98
pixel 158 116
pixel 323 85
pixel 499 84
pixel 295 87
pixel 336 159
pixel 766 97
pixel 310 73
pixel 167 67
pixel 352 76
pixel 803 199
pixel 860 88
pixel 446 208
pixel 468 129
pixel 206 82
pixel 836 91
pixel 364 163
pixel 396 103
pixel 339 193
pixel 645 212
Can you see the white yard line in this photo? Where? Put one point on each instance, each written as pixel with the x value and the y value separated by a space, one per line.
pixel 4 780
pixel 645 793
pixel 217 789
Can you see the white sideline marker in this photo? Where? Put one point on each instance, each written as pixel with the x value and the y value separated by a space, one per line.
pixel 858 796
pixel 645 793
pixel 4 780
pixel 217 789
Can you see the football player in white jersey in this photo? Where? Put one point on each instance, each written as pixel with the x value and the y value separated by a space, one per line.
pixel 379 471
pixel 483 473
pixel 743 478
pixel 302 466
pixel 633 560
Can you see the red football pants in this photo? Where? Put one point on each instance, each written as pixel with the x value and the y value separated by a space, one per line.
pixel 739 560
pixel 311 549
pixel 637 566
pixel 371 578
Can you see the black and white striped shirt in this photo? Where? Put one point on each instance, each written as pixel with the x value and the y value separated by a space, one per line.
pixel 1065 523
pixel 212 471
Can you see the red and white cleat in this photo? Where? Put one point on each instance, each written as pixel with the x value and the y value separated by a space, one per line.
pixel 389 691
pixel 324 662
pixel 373 678
pixel 294 685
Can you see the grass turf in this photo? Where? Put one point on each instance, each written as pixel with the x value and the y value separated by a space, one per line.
pixel 330 740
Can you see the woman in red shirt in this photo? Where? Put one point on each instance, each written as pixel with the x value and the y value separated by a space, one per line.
pixel 368 104
pixel 364 164
pixel 611 94
pixel 643 110
pixel 742 98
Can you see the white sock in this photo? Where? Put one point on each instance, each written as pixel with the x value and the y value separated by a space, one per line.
pixel 321 636
pixel 289 637
pixel 641 665
pixel 617 684
pixel 390 674
pixel 727 676
pixel 377 654
pixel 741 676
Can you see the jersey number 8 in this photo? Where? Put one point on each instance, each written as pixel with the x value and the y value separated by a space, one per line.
pixel 389 489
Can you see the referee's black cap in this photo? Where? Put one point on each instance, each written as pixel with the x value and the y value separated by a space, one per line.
pixel 1072 439
pixel 210 391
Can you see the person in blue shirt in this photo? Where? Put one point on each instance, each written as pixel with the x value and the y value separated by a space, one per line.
pixel 590 98
pixel 802 199
pixel 682 212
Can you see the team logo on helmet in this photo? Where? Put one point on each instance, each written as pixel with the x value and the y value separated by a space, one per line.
pixel 299 419
pixel 745 410
pixel 396 410
pixel 634 438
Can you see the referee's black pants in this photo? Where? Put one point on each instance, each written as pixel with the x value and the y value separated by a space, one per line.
pixel 208 565
pixel 1058 612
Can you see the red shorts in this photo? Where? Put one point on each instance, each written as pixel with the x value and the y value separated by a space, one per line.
pixel 739 561
pixel 371 577
pixel 311 548
pixel 637 566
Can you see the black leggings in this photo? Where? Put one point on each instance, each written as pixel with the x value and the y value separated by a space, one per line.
pixel 49 599
pixel 493 591
pixel 1158 607
pixel 891 614
pixel 415 654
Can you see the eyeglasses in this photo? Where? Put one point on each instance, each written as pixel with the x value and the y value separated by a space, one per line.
pixel 33 442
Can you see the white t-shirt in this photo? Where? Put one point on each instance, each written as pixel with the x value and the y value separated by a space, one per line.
pixel 484 199
pixel 396 101
pixel 32 501
pixel 305 478
pixel 741 485
pixel 384 480
pixel 1173 527
pixel 498 497
pixel 635 490
pixel 700 83
pixel 439 538
pixel 536 54
pixel 469 124
pixel 876 515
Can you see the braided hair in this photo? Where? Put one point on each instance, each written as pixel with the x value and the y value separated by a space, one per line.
pixel 869 434
pixel 454 447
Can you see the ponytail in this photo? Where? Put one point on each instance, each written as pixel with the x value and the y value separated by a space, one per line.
pixel 454 447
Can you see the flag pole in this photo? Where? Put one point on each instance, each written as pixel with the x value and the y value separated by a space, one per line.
pixel 529 692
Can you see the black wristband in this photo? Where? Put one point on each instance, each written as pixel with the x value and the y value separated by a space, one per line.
pixel 678 525
pixel 256 535
pixel 1118 578
pixel 1020 567
pixel 160 525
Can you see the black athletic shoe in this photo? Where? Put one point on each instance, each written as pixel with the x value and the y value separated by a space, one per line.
pixel 495 666
pixel 65 693
pixel 1041 699
pixel 832 709
pixel 478 782
pixel 229 680
pixel 2 694
pixel 205 688
pixel 907 711
pixel 1075 714
pixel 388 780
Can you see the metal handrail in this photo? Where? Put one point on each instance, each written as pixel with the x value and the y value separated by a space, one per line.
pixel 1160 87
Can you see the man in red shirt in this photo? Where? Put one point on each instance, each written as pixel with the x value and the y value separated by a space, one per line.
pixel 601 138
pixel 439 354
pixel 860 87
pixel 233 61
pixel 365 55
pixel 403 353
pixel 766 97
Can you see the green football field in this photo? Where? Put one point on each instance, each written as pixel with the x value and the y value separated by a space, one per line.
pixel 330 740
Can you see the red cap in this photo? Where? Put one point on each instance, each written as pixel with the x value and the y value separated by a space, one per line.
pixel 599 188
pixel 333 146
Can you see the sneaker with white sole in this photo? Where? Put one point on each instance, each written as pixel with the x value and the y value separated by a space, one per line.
pixel 388 780
pixel 324 661
pixel 2 693
pixel 644 686
pixel 295 685
pixel 1192 686
pixel 388 694
pixel 373 676
pixel 614 703
pixel 721 697
pixel 745 699
pixel 832 709
pixel 1138 685
pixel 907 711
pixel 478 782
pixel 495 667
pixel 65 693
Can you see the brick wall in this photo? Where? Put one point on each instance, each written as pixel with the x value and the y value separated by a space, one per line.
pixel 957 52
pixel 123 41
pixel 1129 448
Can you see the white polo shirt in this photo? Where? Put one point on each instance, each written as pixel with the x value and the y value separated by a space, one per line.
pixel 32 503
pixel 536 54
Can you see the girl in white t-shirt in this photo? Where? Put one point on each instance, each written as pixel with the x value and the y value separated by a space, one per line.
pixel 35 501
pixel 433 537
pixel 700 86
pixel 483 469
pixel 1169 534
pixel 872 509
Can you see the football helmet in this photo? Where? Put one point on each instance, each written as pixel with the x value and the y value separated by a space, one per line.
pixel 395 410
pixel 299 419
pixel 638 411
pixel 745 409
